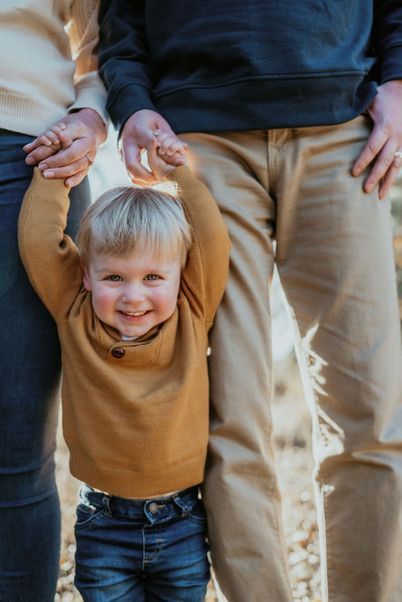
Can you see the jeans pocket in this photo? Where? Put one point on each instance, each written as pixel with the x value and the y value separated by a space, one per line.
pixel 87 514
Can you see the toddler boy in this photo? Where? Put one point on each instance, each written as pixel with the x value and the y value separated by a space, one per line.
pixel 133 305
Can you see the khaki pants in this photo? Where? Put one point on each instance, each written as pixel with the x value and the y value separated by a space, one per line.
pixel 335 259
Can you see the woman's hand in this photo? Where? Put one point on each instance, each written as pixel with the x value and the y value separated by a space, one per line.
pixel 68 148
pixel 382 151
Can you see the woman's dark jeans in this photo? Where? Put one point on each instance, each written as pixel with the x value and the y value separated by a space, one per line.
pixel 29 377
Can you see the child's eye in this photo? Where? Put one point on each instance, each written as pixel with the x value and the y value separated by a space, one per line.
pixel 152 277
pixel 113 278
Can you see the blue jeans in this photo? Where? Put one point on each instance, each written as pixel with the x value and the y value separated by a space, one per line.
pixel 30 369
pixel 138 550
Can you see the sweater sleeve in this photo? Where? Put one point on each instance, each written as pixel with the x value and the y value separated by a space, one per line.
pixel 387 38
pixel 205 274
pixel 124 62
pixel 83 30
pixel 49 256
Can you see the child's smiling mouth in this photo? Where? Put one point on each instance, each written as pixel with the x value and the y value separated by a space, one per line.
pixel 133 314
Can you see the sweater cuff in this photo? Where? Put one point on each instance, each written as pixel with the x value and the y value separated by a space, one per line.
pixel 91 94
pixel 51 187
pixel 391 64
pixel 129 100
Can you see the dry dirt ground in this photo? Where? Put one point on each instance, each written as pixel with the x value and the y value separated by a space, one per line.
pixel 292 444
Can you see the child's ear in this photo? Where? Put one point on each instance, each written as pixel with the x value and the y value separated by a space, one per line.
pixel 85 277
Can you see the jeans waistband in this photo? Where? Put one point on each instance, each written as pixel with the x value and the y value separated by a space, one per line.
pixel 155 510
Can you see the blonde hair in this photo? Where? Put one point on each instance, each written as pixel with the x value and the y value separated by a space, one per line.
pixel 125 220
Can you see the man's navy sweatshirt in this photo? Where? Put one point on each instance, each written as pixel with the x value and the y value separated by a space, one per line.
pixel 214 65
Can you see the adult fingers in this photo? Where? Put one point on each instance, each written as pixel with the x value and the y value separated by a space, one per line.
pixel 68 170
pixel 131 154
pixel 78 149
pixel 76 178
pixel 390 177
pixel 40 154
pixel 373 146
pixel 382 163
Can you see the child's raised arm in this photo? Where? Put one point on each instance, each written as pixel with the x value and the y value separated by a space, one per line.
pixel 49 256
pixel 205 274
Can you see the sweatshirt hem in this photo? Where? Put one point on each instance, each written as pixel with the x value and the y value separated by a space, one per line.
pixel 142 485
pixel 267 104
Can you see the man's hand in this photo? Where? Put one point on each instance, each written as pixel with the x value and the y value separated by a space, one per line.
pixel 68 148
pixel 384 141
pixel 148 131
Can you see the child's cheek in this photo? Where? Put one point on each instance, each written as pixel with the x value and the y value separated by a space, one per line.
pixel 104 299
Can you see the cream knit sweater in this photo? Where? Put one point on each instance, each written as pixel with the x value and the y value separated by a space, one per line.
pixel 48 62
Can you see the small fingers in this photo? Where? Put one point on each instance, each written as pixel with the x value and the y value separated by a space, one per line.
pixel 48 138
pixel 169 144
pixel 66 139
pixel 159 166
pixel 175 160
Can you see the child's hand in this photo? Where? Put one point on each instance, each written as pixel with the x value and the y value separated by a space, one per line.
pixel 170 148
pixel 68 149
pixel 148 131
pixel 48 143
pixel 164 154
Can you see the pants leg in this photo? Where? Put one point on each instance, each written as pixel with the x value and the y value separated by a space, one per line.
pixel 335 260
pixel 240 492
pixel 30 368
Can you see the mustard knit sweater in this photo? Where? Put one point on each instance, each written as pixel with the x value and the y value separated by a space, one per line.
pixel 48 62
pixel 136 419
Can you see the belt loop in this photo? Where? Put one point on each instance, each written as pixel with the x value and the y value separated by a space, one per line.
pixel 106 502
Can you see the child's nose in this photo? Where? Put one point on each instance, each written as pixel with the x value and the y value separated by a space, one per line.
pixel 133 293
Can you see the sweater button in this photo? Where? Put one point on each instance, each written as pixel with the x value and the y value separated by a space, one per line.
pixel 118 352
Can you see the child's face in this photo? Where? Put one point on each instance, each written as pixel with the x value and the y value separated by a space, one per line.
pixel 132 293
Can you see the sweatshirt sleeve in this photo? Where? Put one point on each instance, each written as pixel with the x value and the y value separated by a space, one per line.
pixel 49 256
pixel 387 38
pixel 124 62
pixel 205 274
pixel 83 31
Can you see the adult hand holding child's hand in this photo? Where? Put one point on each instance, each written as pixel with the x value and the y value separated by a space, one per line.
pixel 68 148
pixel 148 131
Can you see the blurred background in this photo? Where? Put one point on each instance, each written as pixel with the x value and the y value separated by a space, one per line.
pixel 290 417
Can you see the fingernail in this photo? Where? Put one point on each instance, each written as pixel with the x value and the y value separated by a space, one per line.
pixel 29 161
pixel 48 173
pixel 42 166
